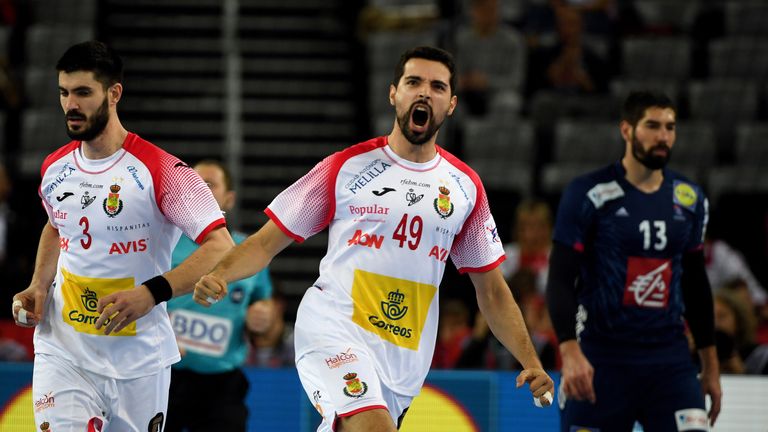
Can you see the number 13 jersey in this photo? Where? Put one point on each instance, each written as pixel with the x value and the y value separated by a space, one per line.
pixel 393 224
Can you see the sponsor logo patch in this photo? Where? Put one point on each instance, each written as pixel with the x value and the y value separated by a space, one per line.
pixel 685 195
pixel 112 204
pixel 412 198
pixel 135 174
pixel 604 192
pixel 341 359
pixel 64 196
pixel 201 333
pixel 366 175
pixel 87 199
pixel 81 296
pixel 355 388
pixel 384 191
pixel 443 205
pixel 393 309
pixel 45 402
pixel 647 282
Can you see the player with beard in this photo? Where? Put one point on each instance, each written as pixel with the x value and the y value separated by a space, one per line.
pixel 396 207
pixel 116 205
pixel 626 272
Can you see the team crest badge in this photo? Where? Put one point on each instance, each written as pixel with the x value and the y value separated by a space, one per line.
pixel 113 205
pixel 443 204
pixel 355 388
pixel 45 427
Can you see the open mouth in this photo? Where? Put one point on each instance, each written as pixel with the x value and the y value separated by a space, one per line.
pixel 420 116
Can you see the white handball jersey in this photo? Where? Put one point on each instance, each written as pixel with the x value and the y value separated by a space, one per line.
pixel 393 224
pixel 118 220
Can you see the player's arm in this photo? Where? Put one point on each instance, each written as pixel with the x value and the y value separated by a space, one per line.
pixel 119 309
pixel 506 322
pixel 563 305
pixel 699 313
pixel 214 246
pixel 246 259
pixel 33 297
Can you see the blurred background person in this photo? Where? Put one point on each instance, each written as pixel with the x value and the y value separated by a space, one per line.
pixel 735 336
pixel 491 60
pixel 465 347
pixel 726 264
pixel 213 341
pixel 453 334
pixel 532 241
pixel 273 347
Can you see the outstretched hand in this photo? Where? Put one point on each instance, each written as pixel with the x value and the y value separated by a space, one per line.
pixel 539 383
pixel 120 309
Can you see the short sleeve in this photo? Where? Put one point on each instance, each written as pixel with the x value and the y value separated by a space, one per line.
pixel 185 199
pixel 478 247
pixel 307 206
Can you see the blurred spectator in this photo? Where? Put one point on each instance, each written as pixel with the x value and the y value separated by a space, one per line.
pixel 453 334
pixel 274 347
pixel 600 16
pixel 491 60
pixel 735 331
pixel 482 350
pixel 571 66
pixel 532 235
pixel 725 264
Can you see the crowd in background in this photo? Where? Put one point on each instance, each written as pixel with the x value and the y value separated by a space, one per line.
pixel 538 61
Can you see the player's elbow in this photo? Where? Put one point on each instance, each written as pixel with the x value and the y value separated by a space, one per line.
pixel 218 241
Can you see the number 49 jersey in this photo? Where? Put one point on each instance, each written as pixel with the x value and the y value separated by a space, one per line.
pixel 118 220
pixel 393 224
pixel 630 300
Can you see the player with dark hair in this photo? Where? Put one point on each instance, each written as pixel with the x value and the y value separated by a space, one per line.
pixel 396 207
pixel 626 269
pixel 116 206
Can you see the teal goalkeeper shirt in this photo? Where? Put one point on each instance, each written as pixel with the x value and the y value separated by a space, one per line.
pixel 214 338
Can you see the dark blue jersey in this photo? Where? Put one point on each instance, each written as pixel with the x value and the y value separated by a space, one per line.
pixel 632 242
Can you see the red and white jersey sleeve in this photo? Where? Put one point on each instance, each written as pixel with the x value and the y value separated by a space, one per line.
pixel 118 220
pixel 392 225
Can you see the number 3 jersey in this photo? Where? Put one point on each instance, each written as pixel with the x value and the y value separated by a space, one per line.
pixel 632 244
pixel 393 224
pixel 118 220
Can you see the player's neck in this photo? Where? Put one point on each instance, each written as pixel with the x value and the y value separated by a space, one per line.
pixel 418 153
pixel 108 142
pixel 640 176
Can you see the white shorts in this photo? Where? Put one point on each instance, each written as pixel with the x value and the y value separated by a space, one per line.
pixel 69 399
pixel 342 381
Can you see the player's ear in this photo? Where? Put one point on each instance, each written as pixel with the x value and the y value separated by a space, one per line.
pixel 392 91
pixel 626 131
pixel 452 106
pixel 114 93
